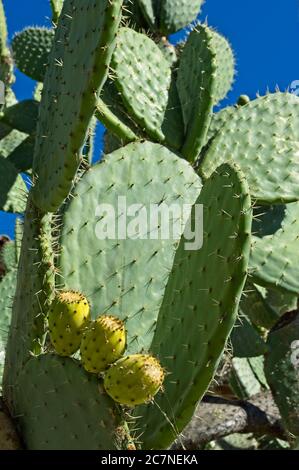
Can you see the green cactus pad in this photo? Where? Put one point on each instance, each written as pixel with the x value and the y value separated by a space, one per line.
pixel 262 138
pixel 282 368
pixel 61 407
pixel 144 79
pixel 200 306
pixel 27 330
pixel 134 380
pixel 13 189
pixel 8 256
pixel 257 366
pixel 196 83
pixel 69 315
pixel 22 116
pixel 133 15
pixel 64 121
pixel 11 142
pixel 218 121
pixel 254 305
pixel 102 343
pixel 7 291
pixel 280 301
pixel 22 156
pixel 126 277
pixel 147 7
pixel 225 71
pixel 243 381
pixel 176 14
pixel 246 340
pixel 272 255
pixel 31 48
pixel 169 51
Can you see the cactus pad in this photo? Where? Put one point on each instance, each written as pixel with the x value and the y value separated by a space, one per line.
pixel 11 142
pixel 7 292
pixel 196 87
pixel 255 305
pixel 134 380
pixel 173 15
pixel 68 316
pixel 144 79
pixel 22 156
pixel 103 343
pixel 246 340
pixel 31 48
pixel 272 255
pixel 225 71
pixel 82 26
pixel 8 256
pixel 282 368
pixel 13 189
pixel 22 116
pixel 26 334
pixel 243 381
pixel 61 407
pixel 262 138
pixel 122 275
pixel 218 121
pixel 205 297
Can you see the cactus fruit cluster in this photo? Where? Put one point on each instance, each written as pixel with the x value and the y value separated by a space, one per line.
pixel 112 342
pixel 132 380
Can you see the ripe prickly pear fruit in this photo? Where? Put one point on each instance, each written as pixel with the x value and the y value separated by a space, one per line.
pixel 103 343
pixel 134 380
pixel 68 316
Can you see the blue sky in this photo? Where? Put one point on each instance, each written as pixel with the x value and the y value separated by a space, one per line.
pixel 264 35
